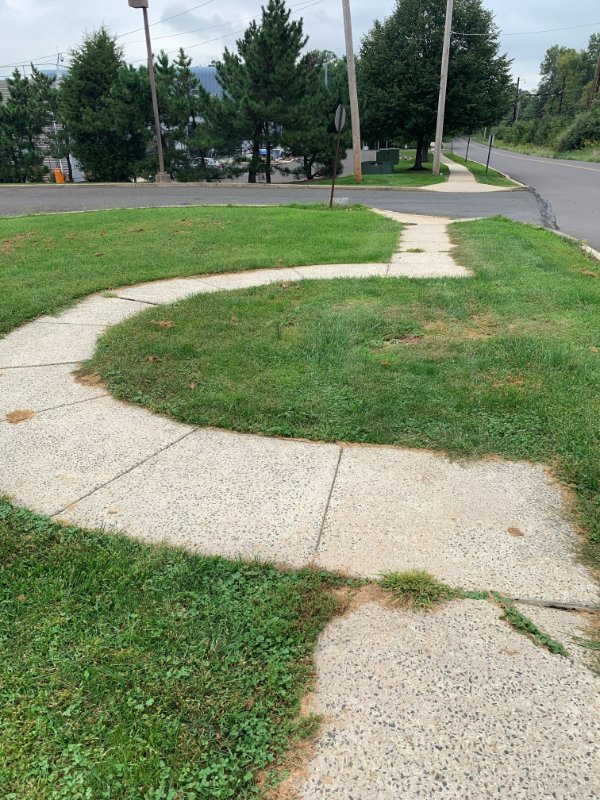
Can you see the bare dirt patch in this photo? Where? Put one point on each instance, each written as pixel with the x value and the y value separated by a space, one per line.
pixel 20 415
pixel 93 379
pixel 10 245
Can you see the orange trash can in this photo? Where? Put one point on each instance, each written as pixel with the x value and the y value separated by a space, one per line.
pixel 58 175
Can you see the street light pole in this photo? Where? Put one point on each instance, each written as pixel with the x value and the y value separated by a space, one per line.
pixel 354 116
pixel 161 176
pixel 439 130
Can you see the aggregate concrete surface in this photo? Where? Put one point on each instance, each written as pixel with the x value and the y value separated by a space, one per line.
pixel 453 704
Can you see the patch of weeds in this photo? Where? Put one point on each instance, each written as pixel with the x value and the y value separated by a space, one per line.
pixel 133 671
pixel 524 625
pixel 415 250
pixel 477 594
pixel 417 589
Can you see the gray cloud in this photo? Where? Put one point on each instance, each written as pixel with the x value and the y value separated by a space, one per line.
pixel 35 28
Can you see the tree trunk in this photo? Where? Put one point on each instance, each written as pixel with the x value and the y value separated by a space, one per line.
pixel 255 157
pixel 69 168
pixel 268 165
pixel 307 168
pixel 418 165
pixel 425 149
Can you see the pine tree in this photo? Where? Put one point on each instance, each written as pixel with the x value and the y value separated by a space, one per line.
pixel 312 136
pixel 23 117
pixel 106 108
pixel 264 82
pixel 399 72
pixel 182 104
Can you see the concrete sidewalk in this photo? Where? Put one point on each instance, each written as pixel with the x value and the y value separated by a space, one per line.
pixel 461 179
pixel 414 706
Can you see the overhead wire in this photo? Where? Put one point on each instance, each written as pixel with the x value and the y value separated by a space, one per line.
pixel 41 60
pixel 234 33
pixel 529 33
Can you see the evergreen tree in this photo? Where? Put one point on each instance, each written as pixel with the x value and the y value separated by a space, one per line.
pixel 312 136
pixel 24 114
pixel 183 103
pixel 264 82
pixel 107 110
pixel 399 72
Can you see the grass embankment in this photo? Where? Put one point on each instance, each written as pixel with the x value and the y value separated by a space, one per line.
pixel 586 154
pixel 146 673
pixel 48 261
pixel 403 177
pixel 504 363
pixel 491 177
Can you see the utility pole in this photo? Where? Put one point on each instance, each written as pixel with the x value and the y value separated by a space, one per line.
pixel 516 106
pixel 562 94
pixel 595 84
pixel 439 130
pixel 355 119
pixel 161 176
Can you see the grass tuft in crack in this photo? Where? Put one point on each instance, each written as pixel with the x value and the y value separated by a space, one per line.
pixel 524 625
pixel 417 589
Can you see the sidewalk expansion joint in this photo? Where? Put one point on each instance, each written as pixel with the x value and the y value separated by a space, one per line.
pixel 72 403
pixel 123 473
pixel 327 504
pixel 135 300
pixel 39 366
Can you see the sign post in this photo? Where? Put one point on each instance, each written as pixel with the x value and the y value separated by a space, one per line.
pixel 340 121
pixel 489 151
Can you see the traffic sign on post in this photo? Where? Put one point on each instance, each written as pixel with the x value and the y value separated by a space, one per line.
pixel 340 118
pixel 339 122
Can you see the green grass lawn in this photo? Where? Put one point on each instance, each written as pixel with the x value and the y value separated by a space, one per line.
pixel 402 177
pixel 505 363
pixel 49 261
pixel 144 673
pixel 491 177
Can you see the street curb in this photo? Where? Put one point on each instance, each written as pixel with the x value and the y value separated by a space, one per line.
pixel 585 247
pixel 245 186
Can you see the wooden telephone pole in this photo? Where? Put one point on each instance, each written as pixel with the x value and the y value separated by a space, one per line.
pixel 354 116
pixel 439 130
pixel 595 84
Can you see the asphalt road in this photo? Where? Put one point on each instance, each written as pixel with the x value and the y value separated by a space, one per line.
pixel 571 189
pixel 32 199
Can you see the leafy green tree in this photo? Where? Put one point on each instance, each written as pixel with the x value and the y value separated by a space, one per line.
pixel 312 136
pixel 264 82
pixel 399 72
pixel 24 114
pixel 106 107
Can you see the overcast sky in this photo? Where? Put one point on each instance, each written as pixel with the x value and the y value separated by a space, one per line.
pixel 36 29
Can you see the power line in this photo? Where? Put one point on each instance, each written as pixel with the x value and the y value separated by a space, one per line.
pixel 118 36
pixel 233 33
pixel 221 24
pixel 530 33
pixel 167 19
pixel 41 61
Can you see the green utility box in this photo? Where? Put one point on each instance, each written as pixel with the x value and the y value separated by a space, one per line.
pixel 391 154
pixel 377 168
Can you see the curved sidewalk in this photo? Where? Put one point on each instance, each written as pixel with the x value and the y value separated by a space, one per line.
pixel 74 452
pixel 454 704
